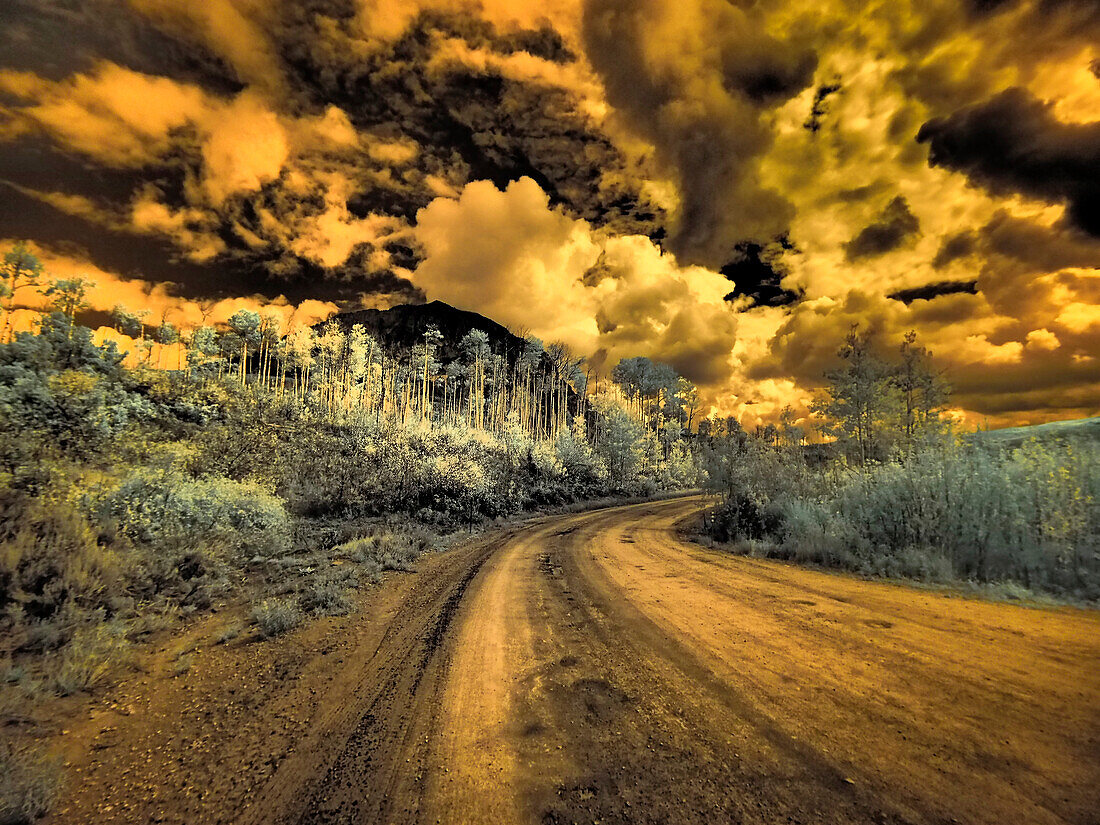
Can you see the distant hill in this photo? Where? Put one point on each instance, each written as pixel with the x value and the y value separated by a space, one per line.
pixel 400 327
pixel 1077 428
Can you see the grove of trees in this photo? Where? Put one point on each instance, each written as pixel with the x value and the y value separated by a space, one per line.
pixel 901 492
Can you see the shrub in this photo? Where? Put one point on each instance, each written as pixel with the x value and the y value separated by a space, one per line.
pixel 29 786
pixel 954 511
pixel 742 516
pixel 50 560
pixel 165 510
pixel 274 617
pixel 328 597
pixel 90 658
pixel 811 532
pixel 228 633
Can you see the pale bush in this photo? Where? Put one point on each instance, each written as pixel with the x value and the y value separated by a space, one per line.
pixel 954 512
pixel 91 658
pixel 274 617
pixel 166 510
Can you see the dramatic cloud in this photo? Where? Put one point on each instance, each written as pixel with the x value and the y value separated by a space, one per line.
pixel 757 273
pixel 725 185
pixel 510 256
pixel 694 79
pixel 1014 143
pixel 930 291
pixel 953 249
pixel 890 230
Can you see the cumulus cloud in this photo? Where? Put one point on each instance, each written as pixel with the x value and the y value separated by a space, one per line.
pixel 510 255
pixel 246 147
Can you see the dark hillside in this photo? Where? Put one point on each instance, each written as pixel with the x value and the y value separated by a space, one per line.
pixel 401 327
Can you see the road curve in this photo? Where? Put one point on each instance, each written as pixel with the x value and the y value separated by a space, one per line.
pixel 596 668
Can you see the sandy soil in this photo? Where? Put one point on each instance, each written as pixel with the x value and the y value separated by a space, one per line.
pixel 596 668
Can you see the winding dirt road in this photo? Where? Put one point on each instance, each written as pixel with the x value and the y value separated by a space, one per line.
pixel 594 668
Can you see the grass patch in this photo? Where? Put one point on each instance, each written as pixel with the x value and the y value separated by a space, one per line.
pixel 273 617
pixel 387 550
pixel 228 633
pixel 91 658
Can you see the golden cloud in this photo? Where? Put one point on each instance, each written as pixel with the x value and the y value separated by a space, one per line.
pixel 509 255
pixel 741 121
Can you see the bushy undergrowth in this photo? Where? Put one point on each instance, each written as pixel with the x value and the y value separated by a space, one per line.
pixel 29 785
pixel 274 617
pixel 450 475
pixel 131 493
pixel 957 512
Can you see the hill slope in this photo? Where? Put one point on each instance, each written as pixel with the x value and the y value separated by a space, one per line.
pixel 401 327
pixel 1078 428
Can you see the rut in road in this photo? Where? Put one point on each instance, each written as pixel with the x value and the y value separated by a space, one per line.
pixel 356 766
pixel 652 735
pixel 595 668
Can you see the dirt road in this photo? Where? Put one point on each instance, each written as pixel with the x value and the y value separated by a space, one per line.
pixel 595 668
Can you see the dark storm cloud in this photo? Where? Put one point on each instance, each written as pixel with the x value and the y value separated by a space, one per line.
pixel 694 82
pixel 25 217
pixel 858 194
pixel 930 291
pixel 1014 143
pixel 983 7
pixel 757 273
pixel 1039 248
pixel 893 228
pixel 1083 9
pixel 57 38
pixel 818 110
pixel 954 248
pixel 472 123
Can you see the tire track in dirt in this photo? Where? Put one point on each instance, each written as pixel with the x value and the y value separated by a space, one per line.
pixel 653 736
pixel 367 766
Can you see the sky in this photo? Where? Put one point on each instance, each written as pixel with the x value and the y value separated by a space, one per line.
pixel 725 185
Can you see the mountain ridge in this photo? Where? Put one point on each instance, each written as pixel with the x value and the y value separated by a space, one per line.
pixel 402 326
